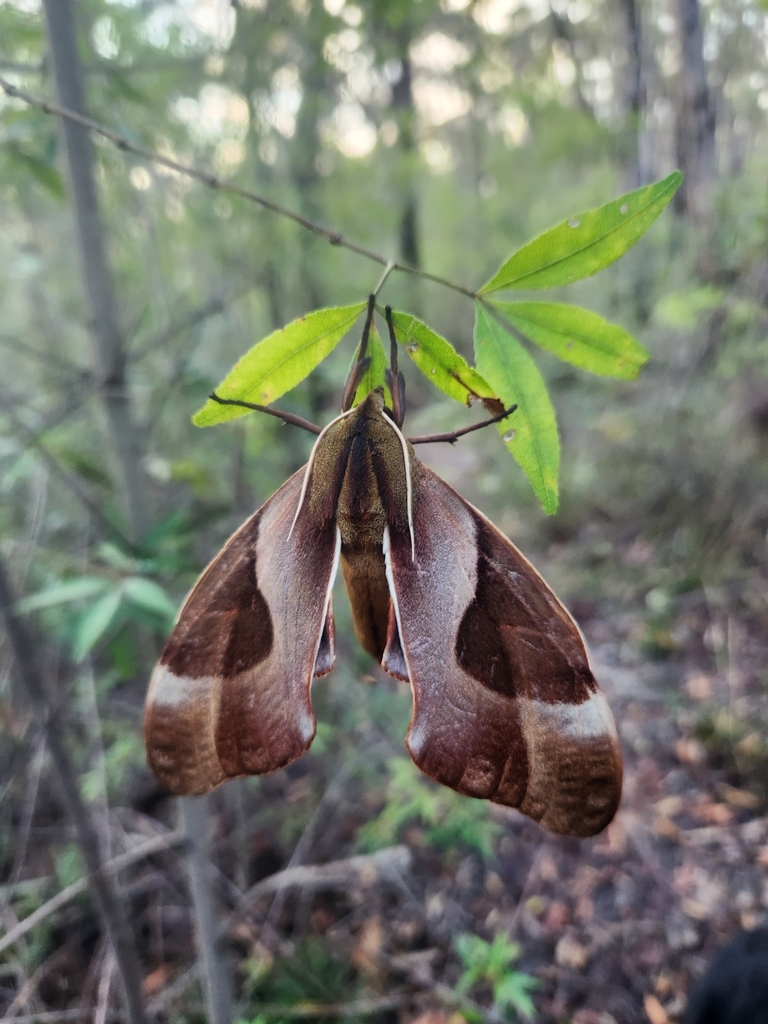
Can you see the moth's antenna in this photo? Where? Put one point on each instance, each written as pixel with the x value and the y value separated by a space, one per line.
pixel 395 380
pixel 361 364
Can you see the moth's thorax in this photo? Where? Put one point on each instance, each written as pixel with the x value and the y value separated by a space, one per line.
pixel 359 477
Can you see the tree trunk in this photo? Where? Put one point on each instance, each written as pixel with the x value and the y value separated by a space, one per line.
pixel 109 366
pixel 695 114
pixel 108 348
pixel 405 112
pixel 635 96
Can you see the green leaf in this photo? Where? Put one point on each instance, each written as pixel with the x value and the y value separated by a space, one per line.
pixel 586 243
pixel 577 336
pixel 62 593
pixel 439 361
pixel 375 374
pixel 148 595
pixel 41 171
pixel 512 992
pixel 95 623
pixel 280 362
pixel 509 369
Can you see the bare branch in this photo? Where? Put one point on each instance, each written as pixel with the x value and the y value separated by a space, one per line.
pixel 71 892
pixel 212 181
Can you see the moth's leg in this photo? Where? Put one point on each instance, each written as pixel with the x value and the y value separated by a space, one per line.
pixel 453 436
pixel 362 362
pixel 287 417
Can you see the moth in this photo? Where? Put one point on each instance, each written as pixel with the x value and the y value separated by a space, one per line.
pixel 505 706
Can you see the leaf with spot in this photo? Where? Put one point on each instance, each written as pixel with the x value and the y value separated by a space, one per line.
pixel 440 363
pixel 582 245
pixel 530 433
pixel 279 362
pixel 577 336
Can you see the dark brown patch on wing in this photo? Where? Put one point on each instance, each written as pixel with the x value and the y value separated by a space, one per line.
pixel 515 641
pixel 228 625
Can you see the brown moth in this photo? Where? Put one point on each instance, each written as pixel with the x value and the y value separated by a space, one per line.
pixel 505 706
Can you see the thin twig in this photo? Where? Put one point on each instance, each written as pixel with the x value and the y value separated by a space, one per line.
pixel 71 892
pixel 92 507
pixel 454 435
pixel 63 1016
pixel 357 1007
pixel 212 181
pixel 321 814
pixel 368 868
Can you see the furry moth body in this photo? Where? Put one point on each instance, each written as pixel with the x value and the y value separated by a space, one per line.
pixel 505 705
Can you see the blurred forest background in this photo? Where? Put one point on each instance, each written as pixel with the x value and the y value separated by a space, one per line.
pixel 443 134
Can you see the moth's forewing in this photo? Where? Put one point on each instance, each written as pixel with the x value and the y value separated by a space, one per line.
pixel 505 704
pixel 230 694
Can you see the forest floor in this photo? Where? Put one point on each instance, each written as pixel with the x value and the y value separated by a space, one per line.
pixel 614 929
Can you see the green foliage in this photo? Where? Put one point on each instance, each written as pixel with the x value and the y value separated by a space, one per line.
pixel 105 603
pixel 575 249
pixel 69 865
pixel 280 362
pixel 439 361
pixel 582 245
pixel 375 375
pixel 491 963
pixel 308 977
pixel 530 433
pixel 577 336
pixel 124 752
pixel 448 819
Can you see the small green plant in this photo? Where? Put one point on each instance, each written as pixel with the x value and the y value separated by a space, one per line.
pixel 306 979
pixel 448 819
pixel 97 605
pixel 491 963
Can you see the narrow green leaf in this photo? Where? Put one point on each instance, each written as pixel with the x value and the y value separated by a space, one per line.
pixel 439 361
pixel 62 593
pixel 586 243
pixel 577 336
pixel 148 595
pixel 280 362
pixel 96 622
pixel 375 374
pixel 509 369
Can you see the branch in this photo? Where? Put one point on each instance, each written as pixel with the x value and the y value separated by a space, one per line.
pixel 212 181
pixel 33 441
pixel 102 885
pixel 365 868
pixel 71 892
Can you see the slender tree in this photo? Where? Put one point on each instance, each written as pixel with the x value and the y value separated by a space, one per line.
pixel 696 120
